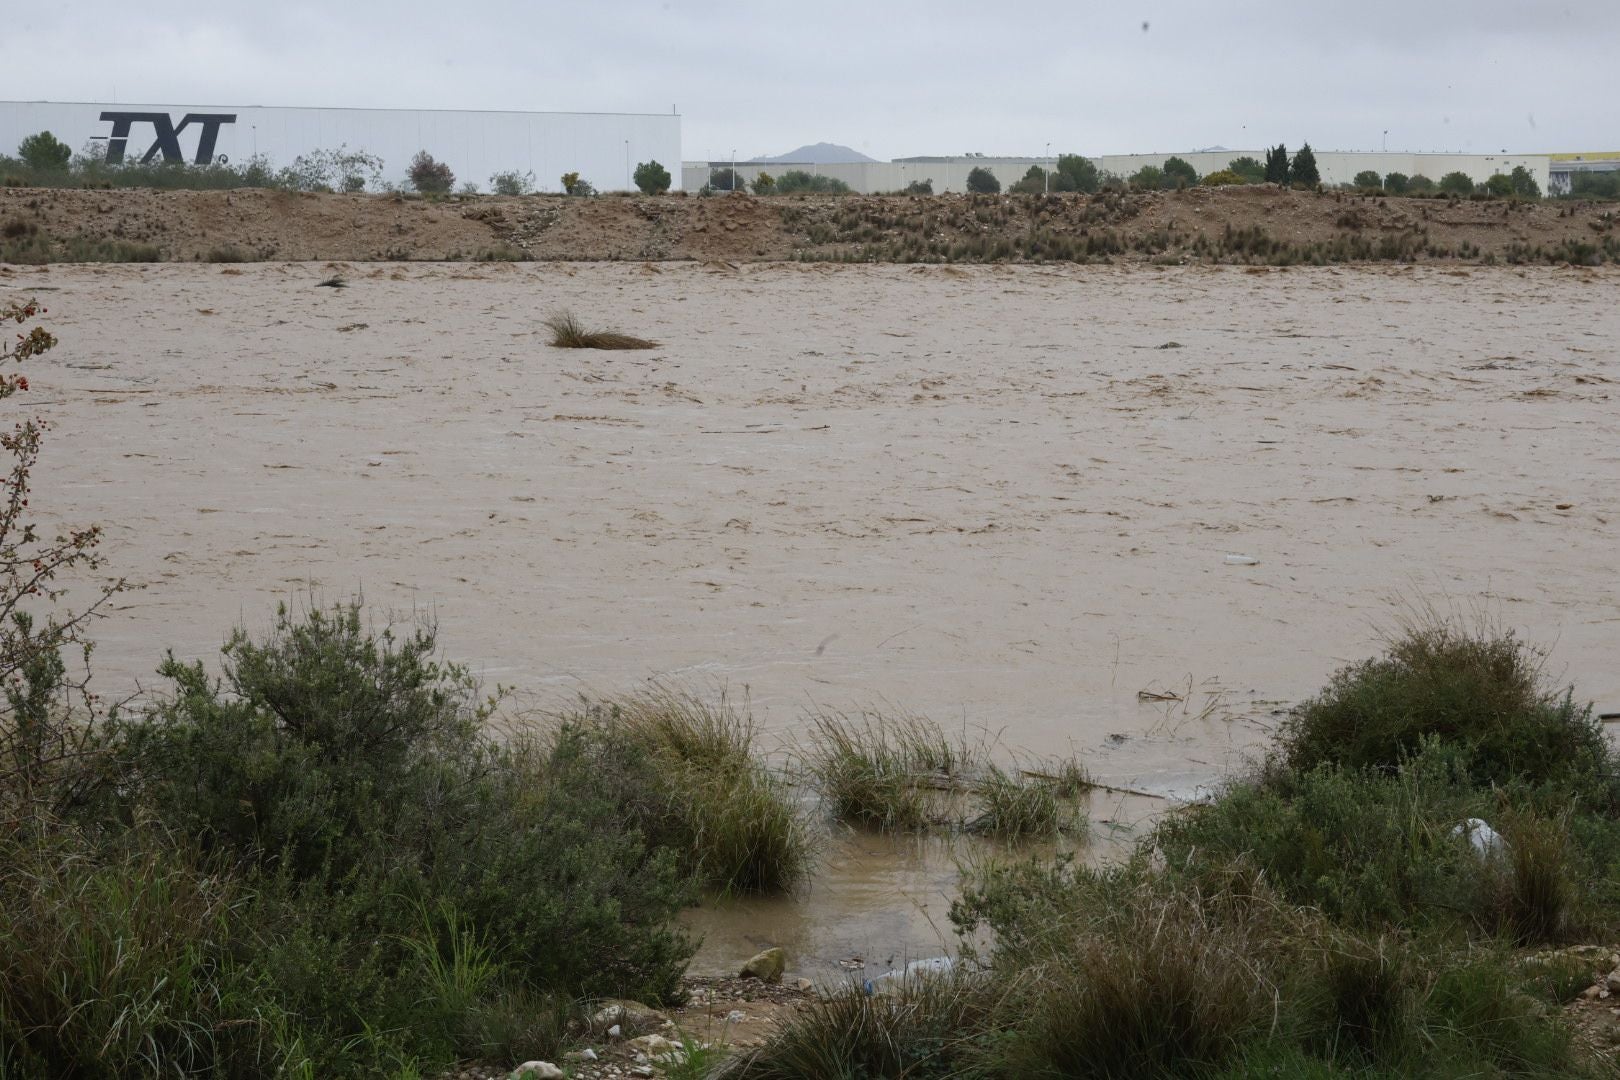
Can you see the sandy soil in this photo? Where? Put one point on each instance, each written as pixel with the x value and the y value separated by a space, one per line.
pixel 1000 497
pixel 256 224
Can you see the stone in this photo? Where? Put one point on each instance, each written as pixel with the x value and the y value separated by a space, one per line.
pixel 803 984
pixel 631 1018
pixel 1611 981
pixel 766 966
pixel 655 1045
pixel 537 1070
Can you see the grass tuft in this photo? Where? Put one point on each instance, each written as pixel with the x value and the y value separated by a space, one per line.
pixel 567 332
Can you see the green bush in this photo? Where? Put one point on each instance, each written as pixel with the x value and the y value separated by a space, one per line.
pixel 1523 184
pixel 512 182
pixel 1396 183
pixel 920 187
pixel 981 181
pixel 1480 690
pixel 1249 169
pixel 1420 185
pixel 1033 182
pixel 45 152
pixel 1076 173
pixel 1179 173
pixel 1224 178
pixel 1367 180
pixel 763 184
pixel 799 182
pixel 1147 178
pixel 652 178
pixel 1457 183
pixel 1499 184
pixel 1278 169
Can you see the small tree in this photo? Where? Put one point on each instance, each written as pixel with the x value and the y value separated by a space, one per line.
pixel 512 182
pixel 1419 184
pixel 429 176
pixel 1078 170
pixel 1457 183
pixel 1524 185
pixel 1303 171
pixel 921 187
pixel 1277 167
pixel 1249 169
pixel 722 180
pixel 652 178
pixel 1178 173
pixel 45 152
pixel 1147 178
pixel 1499 184
pixel 1396 183
pixel 763 184
pixel 1033 182
pixel 797 181
pixel 1368 180
pixel 981 181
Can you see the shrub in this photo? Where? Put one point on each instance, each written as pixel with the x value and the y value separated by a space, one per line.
pixel 1499 184
pixel 45 152
pixel 1147 178
pixel 696 786
pixel 572 184
pixel 334 170
pixel 1179 173
pixel 1480 690
pixel 981 181
pixel 1249 169
pixel 920 187
pixel 567 332
pixel 1303 170
pixel 797 182
pixel 1396 183
pixel 1419 184
pixel 1223 178
pixel 652 178
pixel 1076 173
pixel 763 184
pixel 1457 183
pixel 512 182
pixel 1033 182
pixel 1367 180
pixel 429 176
pixel 1278 169
pixel 1524 185
pixel 882 771
pixel 724 180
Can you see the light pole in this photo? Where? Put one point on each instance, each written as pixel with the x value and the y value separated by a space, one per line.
pixel 734 169
pixel 627 164
pixel 1386 140
pixel 1046 170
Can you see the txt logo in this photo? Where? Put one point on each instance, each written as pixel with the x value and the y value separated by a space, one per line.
pixel 168 134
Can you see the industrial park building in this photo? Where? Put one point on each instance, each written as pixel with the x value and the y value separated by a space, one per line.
pixel 950 173
pixel 603 148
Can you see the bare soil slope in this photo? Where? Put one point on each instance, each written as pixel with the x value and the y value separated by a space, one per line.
pixel 1260 224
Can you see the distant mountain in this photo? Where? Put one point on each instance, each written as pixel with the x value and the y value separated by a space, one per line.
pixel 820 153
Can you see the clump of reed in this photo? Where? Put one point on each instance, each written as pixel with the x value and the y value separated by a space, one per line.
pixel 567 332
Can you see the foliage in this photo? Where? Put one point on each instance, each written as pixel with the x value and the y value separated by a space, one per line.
pixel 45 152
pixel 1523 184
pixel 1419 184
pixel 1396 183
pixel 512 182
pixel 981 181
pixel 763 184
pixel 1249 169
pixel 725 180
pixel 1303 170
pixel 652 178
pixel 1076 172
pixel 1499 184
pixel 1147 178
pixel 1481 690
pixel 1367 180
pixel 573 184
pixel 429 176
pixel 1278 169
pixel 46 756
pixel 1456 183
pixel 920 187
pixel 335 170
pixel 1179 173
pixel 1224 178
pixel 799 182
pixel 1033 182
pixel 1595 185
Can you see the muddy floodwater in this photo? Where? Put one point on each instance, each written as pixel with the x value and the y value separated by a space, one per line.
pixel 1009 499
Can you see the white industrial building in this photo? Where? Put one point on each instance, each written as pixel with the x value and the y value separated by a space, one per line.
pixel 603 148
pixel 949 174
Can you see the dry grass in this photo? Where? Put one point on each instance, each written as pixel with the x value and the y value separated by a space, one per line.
pixel 567 332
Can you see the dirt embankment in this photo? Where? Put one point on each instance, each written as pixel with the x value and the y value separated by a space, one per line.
pixel 1260 224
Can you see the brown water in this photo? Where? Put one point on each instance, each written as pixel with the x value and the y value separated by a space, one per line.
pixel 1002 498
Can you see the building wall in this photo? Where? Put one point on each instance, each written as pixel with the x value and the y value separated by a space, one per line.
pixel 602 147
pixel 951 175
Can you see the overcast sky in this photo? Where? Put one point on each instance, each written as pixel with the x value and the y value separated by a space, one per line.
pixel 889 78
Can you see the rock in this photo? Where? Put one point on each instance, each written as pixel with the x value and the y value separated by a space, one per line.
pixel 643 1071
pixel 631 1018
pixel 1485 841
pixel 803 984
pixel 1611 981
pixel 655 1045
pixel 766 966
pixel 537 1070
pixel 917 971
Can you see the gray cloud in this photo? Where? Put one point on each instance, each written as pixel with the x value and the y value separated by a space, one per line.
pixel 890 79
